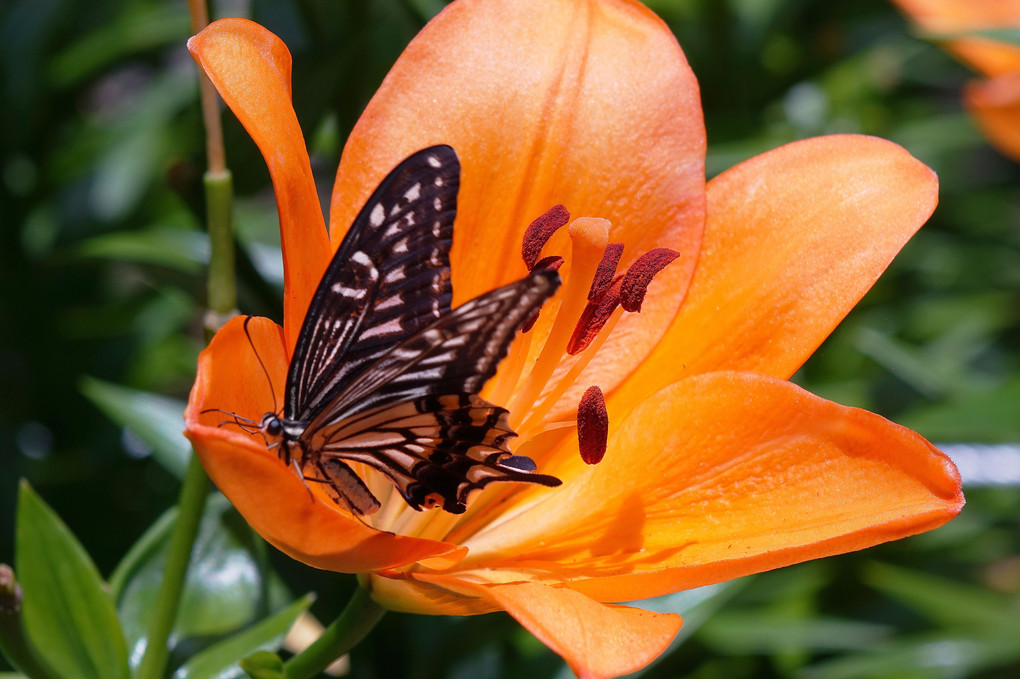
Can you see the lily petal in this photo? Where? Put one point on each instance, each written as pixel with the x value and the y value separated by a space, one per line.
pixel 719 476
pixel 955 17
pixel 270 496
pixel 995 104
pixel 795 237
pixel 588 104
pixel 250 68
pixel 596 640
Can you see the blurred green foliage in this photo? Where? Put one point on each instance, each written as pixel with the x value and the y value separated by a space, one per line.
pixel 102 271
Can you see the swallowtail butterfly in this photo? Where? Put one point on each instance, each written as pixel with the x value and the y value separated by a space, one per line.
pixel 385 373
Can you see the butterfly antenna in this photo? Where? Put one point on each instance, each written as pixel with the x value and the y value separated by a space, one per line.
pixel 248 426
pixel 265 370
pixel 238 419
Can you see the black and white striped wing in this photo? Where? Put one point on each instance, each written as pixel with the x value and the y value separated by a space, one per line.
pixel 389 279
pixel 457 354
pixel 415 415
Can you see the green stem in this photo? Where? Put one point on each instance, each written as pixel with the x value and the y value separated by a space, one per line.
pixel 190 507
pixel 222 285
pixel 356 621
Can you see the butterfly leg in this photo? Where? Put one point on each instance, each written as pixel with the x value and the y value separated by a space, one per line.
pixel 304 479
pixel 346 488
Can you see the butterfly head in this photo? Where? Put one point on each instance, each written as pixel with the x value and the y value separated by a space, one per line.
pixel 271 426
pixel 274 431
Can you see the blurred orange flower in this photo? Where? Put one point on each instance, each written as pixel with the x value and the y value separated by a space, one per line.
pixel 716 466
pixel 995 101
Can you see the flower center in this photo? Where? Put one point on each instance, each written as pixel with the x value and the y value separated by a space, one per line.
pixel 548 359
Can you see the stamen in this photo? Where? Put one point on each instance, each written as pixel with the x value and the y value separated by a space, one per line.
pixel 592 426
pixel 604 274
pixel 540 231
pixel 589 237
pixel 594 317
pixel 640 274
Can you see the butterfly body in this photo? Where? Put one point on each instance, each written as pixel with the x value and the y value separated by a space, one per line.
pixel 386 374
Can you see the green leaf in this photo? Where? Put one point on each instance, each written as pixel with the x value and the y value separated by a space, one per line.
pixel 157 420
pixel 947 603
pixel 66 610
pixel 988 415
pixel 181 249
pixel 745 632
pixel 932 656
pixel 144 550
pixel 221 661
pixel 227 586
pixel 132 32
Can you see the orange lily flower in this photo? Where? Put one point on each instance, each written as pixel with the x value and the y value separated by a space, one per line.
pixel 994 102
pixel 715 465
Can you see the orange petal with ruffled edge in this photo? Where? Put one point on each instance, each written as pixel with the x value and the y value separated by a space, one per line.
pixel 251 69
pixel 715 477
pixel 953 17
pixel 794 238
pixel 995 104
pixel 596 640
pixel 269 495
pixel 588 104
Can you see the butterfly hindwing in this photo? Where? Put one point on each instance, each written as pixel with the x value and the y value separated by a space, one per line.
pixel 438 448
pixel 389 278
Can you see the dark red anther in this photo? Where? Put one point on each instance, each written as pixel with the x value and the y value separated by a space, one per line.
pixel 640 274
pixel 604 274
pixel 592 426
pixel 594 318
pixel 540 231
pixel 552 263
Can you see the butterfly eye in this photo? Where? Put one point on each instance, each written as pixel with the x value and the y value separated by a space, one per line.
pixel 272 426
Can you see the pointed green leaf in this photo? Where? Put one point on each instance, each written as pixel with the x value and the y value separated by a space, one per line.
pixel 157 420
pixel 221 661
pixel 66 609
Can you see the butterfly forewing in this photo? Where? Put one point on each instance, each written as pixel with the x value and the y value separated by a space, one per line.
pixel 457 354
pixel 389 279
